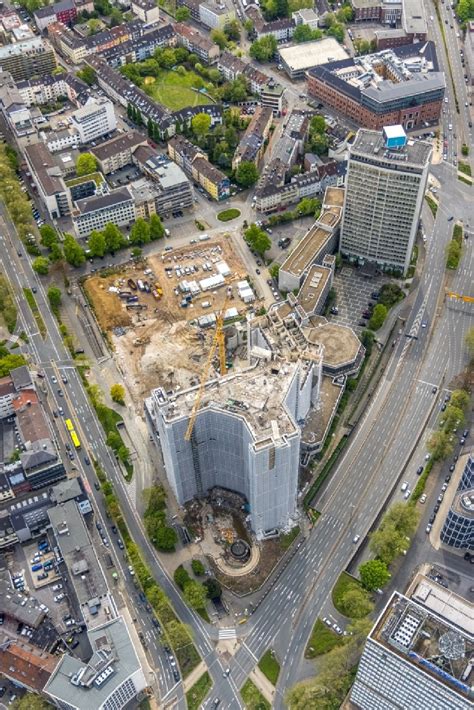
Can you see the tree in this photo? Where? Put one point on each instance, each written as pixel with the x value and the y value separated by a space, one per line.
pixel 465 10
pixel 140 232
pixel 115 17
pixel 337 31
pixel 114 440
pixel 157 231
pixel 86 164
pixel 178 634
pixel 460 398
pixel 404 517
pixel 439 445
pixel 453 417
pixel 182 14
pixel 378 317
pixel 113 237
pixel 213 588
pixel 93 25
pixel 73 252
pixel 374 574
pixel 181 577
pixel 49 236
pixel 219 37
pixel 96 243
pixel 304 33
pixel 41 265
pixel 247 173
pixel 453 254
pixel 257 239
pixel 387 543
pixel 117 393
pixel 136 252
pixel 318 124
pixel 166 538
pixel 198 567
pixel 263 49
pixel 168 58
pixel 200 124
pixel 390 294
pixel 56 253
pixel 30 701
pixel 274 270
pixel 87 74
pixel 195 595
pixel 54 297
pixel 232 30
pixel 356 603
pixel 318 143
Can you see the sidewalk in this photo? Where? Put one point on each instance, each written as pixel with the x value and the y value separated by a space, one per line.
pixel 194 676
pixel 263 684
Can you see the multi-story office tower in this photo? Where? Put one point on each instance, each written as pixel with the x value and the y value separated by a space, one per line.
pixel 458 528
pixel 386 180
pixel 246 437
pixel 95 119
pixel 419 653
pixel 33 57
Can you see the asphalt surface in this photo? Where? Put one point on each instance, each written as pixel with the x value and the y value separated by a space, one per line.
pixel 369 470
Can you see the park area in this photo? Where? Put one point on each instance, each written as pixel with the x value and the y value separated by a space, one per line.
pixel 175 90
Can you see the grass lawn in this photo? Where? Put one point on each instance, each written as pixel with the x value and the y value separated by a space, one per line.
pixel 198 691
pixel 252 697
pixel 30 297
pixel 322 640
pixel 269 666
pixel 342 586
pixel 432 205
pixel 175 91
pixel 227 215
pixel 464 167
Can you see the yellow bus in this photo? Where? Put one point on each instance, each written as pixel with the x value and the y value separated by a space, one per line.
pixel 69 425
pixel 75 439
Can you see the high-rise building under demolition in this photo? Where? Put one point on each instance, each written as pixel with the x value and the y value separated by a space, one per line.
pixel 385 185
pixel 246 436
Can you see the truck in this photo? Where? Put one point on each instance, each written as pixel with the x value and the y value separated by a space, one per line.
pixel 137 306
pixel 36 567
pixel 204 238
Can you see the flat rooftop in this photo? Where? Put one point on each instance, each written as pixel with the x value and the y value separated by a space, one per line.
pixel 256 394
pixel 310 54
pixel 319 420
pixel 413 17
pixel 313 286
pixel 432 631
pixel 334 197
pixel 340 344
pixel 304 253
pixel 463 503
pixel 371 144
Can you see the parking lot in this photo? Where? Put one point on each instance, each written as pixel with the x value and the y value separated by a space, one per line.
pixel 353 295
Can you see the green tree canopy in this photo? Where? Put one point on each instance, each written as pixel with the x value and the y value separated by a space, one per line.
pixel 41 265
pixel 213 588
pixel 87 74
pixel 378 317
pixel 247 173
pixel 140 232
pixel 49 236
pixel 195 595
pixel 181 577
pixel 96 243
pixel 220 38
pixel 200 124
pixel 86 164
pixel 356 603
pixel 263 49
pixel 54 296
pixel 460 398
pixel 182 14
pixel 198 567
pixel 56 253
pixel 257 239
pixel 374 574
pixel 165 538
pixel 157 231
pixel 113 237
pixel 117 393
pixel 73 252
pixel 439 445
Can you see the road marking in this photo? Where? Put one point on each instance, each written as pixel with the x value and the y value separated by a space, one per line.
pixel 430 384
pixel 227 634
pixel 251 652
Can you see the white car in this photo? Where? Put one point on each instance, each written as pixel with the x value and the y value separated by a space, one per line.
pixel 327 621
pixel 428 528
pixel 356 539
pixel 427 457
pixel 59 597
pixel 404 486
pixel 57 587
pixel 423 498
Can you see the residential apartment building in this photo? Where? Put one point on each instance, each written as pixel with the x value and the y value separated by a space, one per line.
pixel 94 212
pixel 174 191
pixel 140 48
pixel 458 528
pixel 233 447
pixel 469 52
pixel 385 186
pixel 252 144
pixel 64 11
pixel 419 652
pixel 398 86
pixel 147 11
pixel 76 48
pixel 24 60
pixel 215 16
pixel 56 141
pixel 282 29
pixel 195 164
pixel 193 40
pixel 271 93
pixel 117 152
pixel 15 111
pixel 94 120
pixel 47 175
pixel 46 88
pixel 193 7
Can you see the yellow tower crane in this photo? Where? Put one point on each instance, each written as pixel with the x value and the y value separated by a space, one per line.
pixel 218 343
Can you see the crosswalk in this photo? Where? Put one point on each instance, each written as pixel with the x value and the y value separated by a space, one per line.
pixel 227 634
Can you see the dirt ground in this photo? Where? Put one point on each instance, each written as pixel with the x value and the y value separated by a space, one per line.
pixel 157 346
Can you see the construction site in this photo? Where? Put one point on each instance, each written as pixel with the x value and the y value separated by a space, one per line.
pixel 161 312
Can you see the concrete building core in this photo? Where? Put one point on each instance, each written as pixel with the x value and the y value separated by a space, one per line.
pixel 246 435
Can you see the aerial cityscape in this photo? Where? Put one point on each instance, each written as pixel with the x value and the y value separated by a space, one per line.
pixel 236 354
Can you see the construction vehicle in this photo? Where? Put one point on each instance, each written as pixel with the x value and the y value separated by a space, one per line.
pixel 460 297
pixel 218 343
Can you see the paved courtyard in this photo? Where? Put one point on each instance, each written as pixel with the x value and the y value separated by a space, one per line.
pixel 353 293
